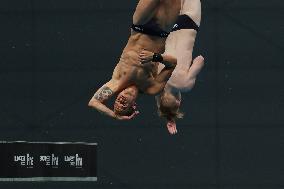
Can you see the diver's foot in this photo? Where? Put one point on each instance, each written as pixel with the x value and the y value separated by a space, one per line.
pixel 172 127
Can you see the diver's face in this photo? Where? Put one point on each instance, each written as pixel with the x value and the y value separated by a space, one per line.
pixel 125 100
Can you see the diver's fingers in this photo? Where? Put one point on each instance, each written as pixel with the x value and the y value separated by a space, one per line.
pixel 134 114
pixel 170 128
pixel 142 60
pixel 175 130
pixel 196 66
pixel 122 117
pixel 142 55
pixel 126 117
pixel 145 57
pixel 145 52
pixel 174 126
pixel 145 60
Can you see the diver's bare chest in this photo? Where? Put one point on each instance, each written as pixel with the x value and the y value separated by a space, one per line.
pixel 140 75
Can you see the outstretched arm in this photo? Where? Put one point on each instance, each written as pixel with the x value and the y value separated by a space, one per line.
pixel 101 96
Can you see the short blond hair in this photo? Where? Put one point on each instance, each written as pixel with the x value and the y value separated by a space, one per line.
pixel 168 108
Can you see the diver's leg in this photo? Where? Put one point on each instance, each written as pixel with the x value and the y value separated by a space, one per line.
pixel 144 11
pixel 192 8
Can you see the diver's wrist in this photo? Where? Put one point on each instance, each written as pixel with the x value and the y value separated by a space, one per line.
pixel 157 57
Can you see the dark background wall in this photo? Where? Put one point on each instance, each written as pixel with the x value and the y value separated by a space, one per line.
pixel 55 54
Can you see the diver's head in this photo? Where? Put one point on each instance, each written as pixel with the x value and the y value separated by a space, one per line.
pixel 124 104
pixel 169 106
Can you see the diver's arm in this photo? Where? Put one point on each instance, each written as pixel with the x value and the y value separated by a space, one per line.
pixel 100 97
pixel 160 81
pixel 168 60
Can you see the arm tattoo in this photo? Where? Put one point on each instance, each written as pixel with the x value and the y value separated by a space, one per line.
pixel 103 94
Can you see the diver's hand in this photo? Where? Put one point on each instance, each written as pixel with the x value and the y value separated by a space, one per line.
pixel 145 56
pixel 172 127
pixel 118 117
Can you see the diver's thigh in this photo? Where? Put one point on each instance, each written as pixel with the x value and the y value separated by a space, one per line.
pixel 192 8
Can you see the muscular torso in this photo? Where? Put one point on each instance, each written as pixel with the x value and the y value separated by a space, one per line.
pixel 129 71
